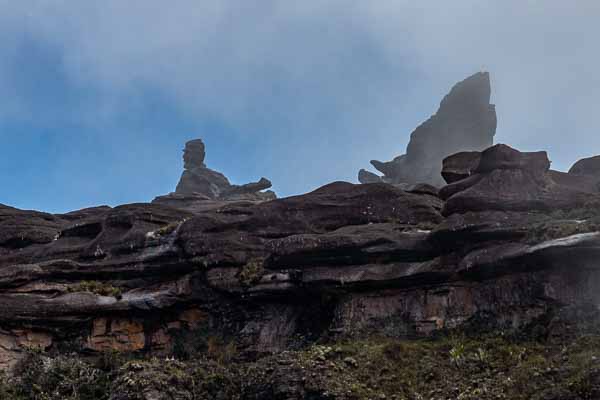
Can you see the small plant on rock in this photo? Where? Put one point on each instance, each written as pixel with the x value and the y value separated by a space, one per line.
pixel 251 272
pixel 457 354
pixel 97 287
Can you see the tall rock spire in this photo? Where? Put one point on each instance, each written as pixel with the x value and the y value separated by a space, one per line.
pixel 465 121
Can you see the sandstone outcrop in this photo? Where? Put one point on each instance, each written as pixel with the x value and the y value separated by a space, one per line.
pixel 460 165
pixel 507 245
pixel 365 176
pixel 465 121
pixel 587 166
pixel 505 179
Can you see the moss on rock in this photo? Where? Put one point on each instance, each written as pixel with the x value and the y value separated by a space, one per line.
pixel 251 273
pixel 97 287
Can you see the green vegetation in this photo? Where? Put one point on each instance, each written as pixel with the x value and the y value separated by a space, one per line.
pixel 451 367
pixel 168 229
pixel 96 287
pixel 589 209
pixel 491 367
pixel 563 223
pixel 559 228
pixel 251 273
pixel 172 379
pixel 59 378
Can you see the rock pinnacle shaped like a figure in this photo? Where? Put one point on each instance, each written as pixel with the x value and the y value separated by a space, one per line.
pixel 198 182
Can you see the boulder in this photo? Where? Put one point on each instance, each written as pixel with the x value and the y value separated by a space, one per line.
pixel 509 180
pixel 587 166
pixel 460 165
pixel 583 183
pixel 501 157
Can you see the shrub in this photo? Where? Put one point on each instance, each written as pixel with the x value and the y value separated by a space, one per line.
pixel 251 272
pixel 60 378
pixel 96 287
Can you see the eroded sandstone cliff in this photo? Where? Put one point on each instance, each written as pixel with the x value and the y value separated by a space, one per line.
pixel 507 245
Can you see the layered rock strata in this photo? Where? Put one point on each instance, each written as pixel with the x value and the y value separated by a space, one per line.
pixel 511 244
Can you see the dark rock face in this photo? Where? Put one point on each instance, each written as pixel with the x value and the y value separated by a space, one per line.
pixel 365 176
pixel 503 157
pixel 127 278
pixel 460 165
pixel 587 166
pixel 509 180
pixel 201 183
pixel 511 244
pixel 465 121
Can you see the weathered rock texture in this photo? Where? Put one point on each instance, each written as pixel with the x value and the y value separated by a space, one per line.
pixel 465 121
pixel 587 166
pixel 460 165
pixel 198 182
pixel 511 244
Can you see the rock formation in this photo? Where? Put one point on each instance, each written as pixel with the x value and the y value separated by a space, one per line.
pixel 508 245
pixel 587 166
pixel 198 182
pixel 465 121
pixel 460 165
pixel 143 265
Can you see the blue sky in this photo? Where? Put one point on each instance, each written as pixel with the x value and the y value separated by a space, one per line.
pixel 98 97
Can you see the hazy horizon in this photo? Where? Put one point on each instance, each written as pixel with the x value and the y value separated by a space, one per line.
pixel 99 98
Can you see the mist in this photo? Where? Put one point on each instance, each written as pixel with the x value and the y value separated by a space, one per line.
pixel 99 98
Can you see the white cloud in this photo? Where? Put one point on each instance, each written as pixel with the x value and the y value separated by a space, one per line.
pixel 356 76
